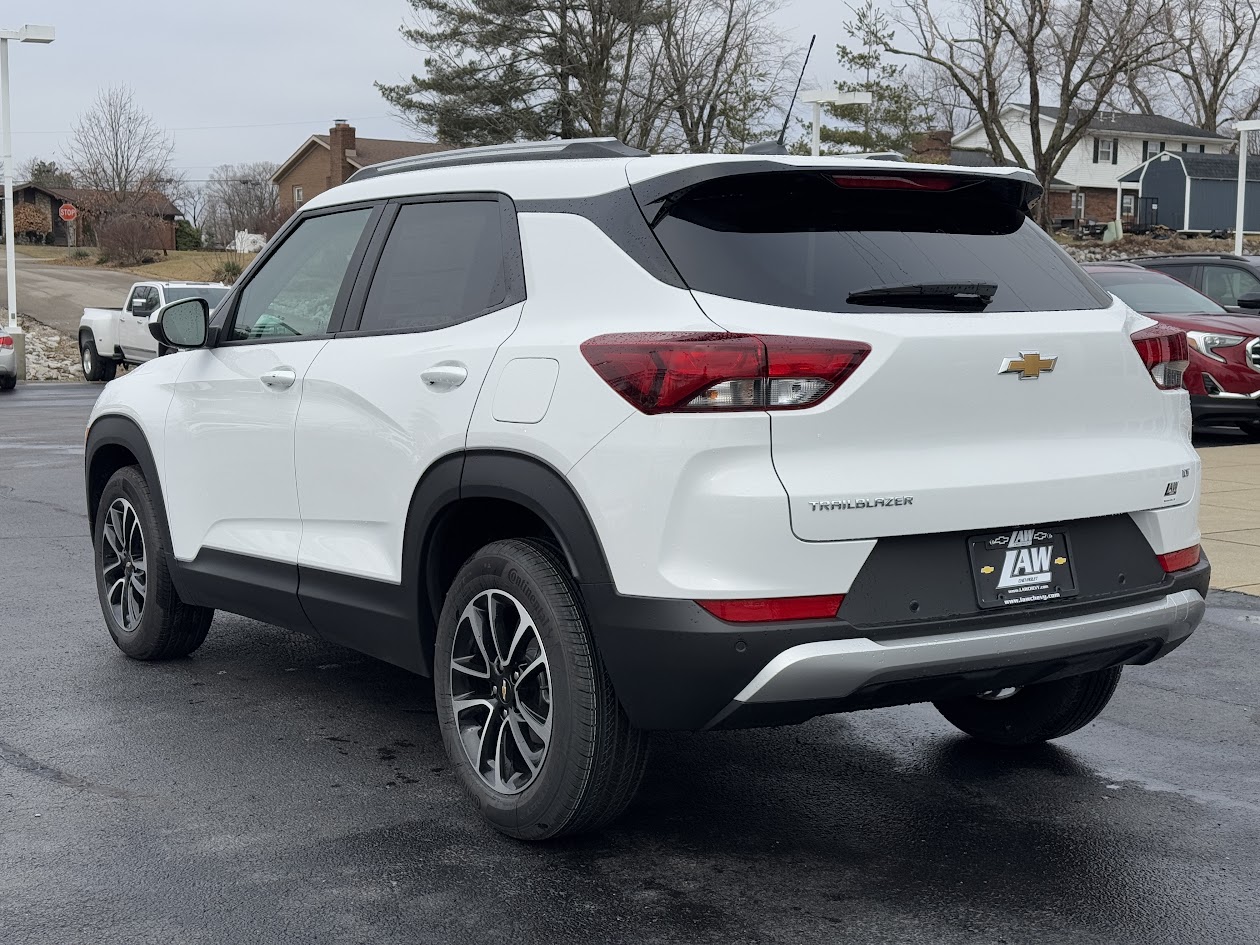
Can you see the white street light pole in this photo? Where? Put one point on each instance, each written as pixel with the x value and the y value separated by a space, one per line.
pixel 1242 128
pixel 27 34
pixel 817 97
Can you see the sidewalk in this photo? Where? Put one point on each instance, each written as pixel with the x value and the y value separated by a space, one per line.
pixel 1229 516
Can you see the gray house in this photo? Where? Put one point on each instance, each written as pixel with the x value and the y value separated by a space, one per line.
pixel 1194 192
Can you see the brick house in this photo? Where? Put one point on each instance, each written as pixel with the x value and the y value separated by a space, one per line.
pixel 1114 143
pixel 324 161
pixel 938 147
pixel 93 205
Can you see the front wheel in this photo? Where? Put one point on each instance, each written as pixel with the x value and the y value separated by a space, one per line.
pixel 529 718
pixel 95 368
pixel 142 610
pixel 1034 713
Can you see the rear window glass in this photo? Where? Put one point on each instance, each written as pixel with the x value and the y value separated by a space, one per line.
pixel 809 240
pixel 1156 294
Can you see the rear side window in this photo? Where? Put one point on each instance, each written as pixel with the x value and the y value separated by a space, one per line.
pixel 812 240
pixel 442 264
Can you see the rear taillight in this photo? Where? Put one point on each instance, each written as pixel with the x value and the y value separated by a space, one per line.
pixel 1166 353
pixel 1179 560
pixel 895 181
pixel 6 341
pixel 701 372
pixel 766 609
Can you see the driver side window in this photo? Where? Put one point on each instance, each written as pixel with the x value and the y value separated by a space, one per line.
pixel 293 294
pixel 1227 283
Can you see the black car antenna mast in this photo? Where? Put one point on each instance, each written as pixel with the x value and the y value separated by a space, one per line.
pixel 799 79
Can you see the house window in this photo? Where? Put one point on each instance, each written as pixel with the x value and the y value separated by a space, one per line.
pixel 1146 150
pixel 1203 150
pixel 1163 146
pixel 1185 146
pixel 1078 203
pixel 1126 205
pixel 1105 150
pixel 297 196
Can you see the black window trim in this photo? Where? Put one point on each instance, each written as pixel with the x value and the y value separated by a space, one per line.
pixel 513 263
pixel 231 302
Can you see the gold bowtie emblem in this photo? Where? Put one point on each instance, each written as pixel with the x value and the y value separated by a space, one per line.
pixel 1029 365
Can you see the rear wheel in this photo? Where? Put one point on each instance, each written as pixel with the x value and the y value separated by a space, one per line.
pixel 1034 713
pixel 94 367
pixel 142 610
pixel 8 383
pixel 529 717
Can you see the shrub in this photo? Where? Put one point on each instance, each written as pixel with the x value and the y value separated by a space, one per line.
pixel 79 253
pixel 187 236
pixel 128 237
pixel 227 271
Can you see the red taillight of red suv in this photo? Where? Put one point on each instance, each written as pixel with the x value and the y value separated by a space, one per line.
pixel 1179 560
pixel 1166 353
pixel 703 372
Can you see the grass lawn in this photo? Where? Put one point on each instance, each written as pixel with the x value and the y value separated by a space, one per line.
pixel 175 266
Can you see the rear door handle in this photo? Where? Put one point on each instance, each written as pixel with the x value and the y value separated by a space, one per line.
pixel 279 379
pixel 445 376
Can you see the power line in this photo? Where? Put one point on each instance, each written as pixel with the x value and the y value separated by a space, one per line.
pixel 265 124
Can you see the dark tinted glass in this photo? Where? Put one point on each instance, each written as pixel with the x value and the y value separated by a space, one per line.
pixel 1154 293
pixel 442 264
pixel 800 240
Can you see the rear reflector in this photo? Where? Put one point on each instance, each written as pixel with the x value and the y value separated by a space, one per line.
pixel 704 372
pixel 1166 353
pixel 766 609
pixel 1179 560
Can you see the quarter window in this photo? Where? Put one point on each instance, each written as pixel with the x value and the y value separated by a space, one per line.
pixel 1226 284
pixel 294 292
pixel 442 264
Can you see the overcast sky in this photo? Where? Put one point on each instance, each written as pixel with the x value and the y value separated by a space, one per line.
pixel 241 81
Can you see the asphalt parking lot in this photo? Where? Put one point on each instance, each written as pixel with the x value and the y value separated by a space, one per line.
pixel 273 788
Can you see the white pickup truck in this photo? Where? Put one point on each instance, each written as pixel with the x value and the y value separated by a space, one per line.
pixel 109 337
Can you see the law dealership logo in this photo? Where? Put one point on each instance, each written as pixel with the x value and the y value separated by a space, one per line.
pixel 1027 560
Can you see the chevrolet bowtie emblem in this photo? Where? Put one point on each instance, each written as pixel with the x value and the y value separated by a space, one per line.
pixel 1028 365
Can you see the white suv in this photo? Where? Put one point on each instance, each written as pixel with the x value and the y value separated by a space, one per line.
pixel 606 442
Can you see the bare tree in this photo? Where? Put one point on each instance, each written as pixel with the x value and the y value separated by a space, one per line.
pixel 241 197
pixel 118 148
pixel 1066 57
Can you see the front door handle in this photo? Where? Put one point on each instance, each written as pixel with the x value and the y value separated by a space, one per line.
pixel 445 376
pixel 279 379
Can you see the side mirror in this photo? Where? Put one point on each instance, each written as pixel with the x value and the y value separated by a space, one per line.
pixel 1250 301
pixel 183 324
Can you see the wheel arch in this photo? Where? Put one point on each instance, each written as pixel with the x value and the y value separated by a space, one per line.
pixel 470 498
pixel 114 442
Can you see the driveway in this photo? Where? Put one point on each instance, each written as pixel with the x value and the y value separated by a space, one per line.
pixel 57 295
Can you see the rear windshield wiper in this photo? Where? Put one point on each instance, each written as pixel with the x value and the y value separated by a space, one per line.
pixel 928 294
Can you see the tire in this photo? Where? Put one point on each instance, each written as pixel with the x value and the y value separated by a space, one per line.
pixel 162 626
pixel 1035 713
pixel 577 767
pixel 8 383
pixel 108 369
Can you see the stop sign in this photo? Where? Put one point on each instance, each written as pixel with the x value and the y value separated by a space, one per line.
pixel 68 212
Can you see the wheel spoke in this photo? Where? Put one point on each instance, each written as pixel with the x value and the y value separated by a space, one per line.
pixel 463 705
pixel 525 627
pixel 531 757
pixel 477 628
pixel 536 664
pixel 540 726
pixel 494 625
pixel 497 766
pixel 462 667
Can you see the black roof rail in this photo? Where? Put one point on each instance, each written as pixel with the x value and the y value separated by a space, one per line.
pixel 560 149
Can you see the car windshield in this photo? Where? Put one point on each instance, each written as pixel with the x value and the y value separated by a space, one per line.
pixel 212 294
pixel 1153 293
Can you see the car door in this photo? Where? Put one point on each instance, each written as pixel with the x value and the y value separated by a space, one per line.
pixel 133 324
pixel 396 391
pixel 1226 283
pixel 230 484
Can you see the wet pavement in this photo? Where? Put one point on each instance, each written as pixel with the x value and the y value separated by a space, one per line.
pixel 273 788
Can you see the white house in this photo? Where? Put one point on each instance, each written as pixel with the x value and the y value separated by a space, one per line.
pixel 1113 145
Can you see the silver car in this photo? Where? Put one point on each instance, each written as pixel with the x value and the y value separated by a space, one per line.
pixel 8 362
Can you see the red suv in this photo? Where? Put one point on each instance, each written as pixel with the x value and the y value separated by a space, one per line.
pixel 1224 373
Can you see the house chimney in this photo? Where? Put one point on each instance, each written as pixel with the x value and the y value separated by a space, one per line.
pixel 932 147
pixel 341 146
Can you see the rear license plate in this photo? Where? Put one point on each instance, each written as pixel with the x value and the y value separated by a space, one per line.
pixel 1022 566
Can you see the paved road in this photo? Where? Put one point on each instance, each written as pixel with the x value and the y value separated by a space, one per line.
pixel 274 789
pixel 57 295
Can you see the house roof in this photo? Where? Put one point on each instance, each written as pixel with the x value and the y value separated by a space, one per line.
pixel 1131 124
pixel 90 199
pixel 367 151
pixel 1203 166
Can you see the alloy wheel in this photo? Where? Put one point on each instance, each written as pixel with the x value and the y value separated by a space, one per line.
pixel 124 564
pixel 87 362
pixel 501 691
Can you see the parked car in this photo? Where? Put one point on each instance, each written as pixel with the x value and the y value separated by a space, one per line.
pixel 606 442
pixel 109 337
pixel 1223 376
pixel 8 361
pixel 1232 281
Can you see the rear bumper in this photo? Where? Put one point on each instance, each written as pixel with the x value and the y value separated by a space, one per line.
pixel 675 666
pixel 1225 407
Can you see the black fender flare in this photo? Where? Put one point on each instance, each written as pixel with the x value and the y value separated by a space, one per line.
pixel 116 430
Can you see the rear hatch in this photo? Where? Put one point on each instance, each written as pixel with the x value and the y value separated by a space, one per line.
pixel 1002 387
